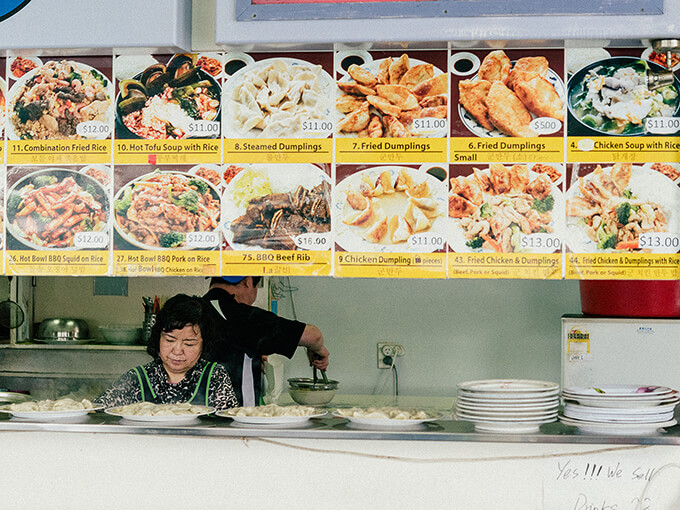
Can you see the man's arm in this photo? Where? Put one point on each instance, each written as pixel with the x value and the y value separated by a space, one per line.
pixel 312 340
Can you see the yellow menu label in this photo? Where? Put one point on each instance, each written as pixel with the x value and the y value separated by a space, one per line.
pixel 278 151
pixel 507 150
pixel 76 263
pixel 167 152
pixel 58 152
pixel 390 265
pixel 623 266
pixel 166 263
pixel 648 149
pixel 277 263
pixel 390 150
pixel 540 266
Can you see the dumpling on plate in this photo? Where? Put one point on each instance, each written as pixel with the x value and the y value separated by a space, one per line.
pixel 399 228
pixel 378 230
pixel 416 218
pixel 360 218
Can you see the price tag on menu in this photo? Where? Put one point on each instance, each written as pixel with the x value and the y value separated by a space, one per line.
pixel 312 241
pixel 429 126
pixel 662 125
pixel 316 127
pixel 543 242
pixel 661 242
pixel 90 239
pixel 426 242
pixel 203 128
pixel 545 125
pixel 202 239
pixel 93 129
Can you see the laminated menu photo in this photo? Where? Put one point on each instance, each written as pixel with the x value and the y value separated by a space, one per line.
pixel 277 218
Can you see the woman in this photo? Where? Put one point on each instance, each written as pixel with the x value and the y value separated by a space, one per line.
pixel 182 340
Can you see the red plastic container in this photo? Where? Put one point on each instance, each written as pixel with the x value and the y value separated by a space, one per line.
pixel 631 298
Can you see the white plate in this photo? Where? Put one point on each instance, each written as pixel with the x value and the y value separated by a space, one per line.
pixel 16 88
pixel 10 60
pixel 502 418
pixel 621 403
pixel 515 399
pixel 51 415
pixel 216 168
pixel 283 178
pixel 617 390
pixel 269 420
pixel 619 429
pixel 457 237
pixel 385 422
pixel 654 418
pixel 231 106
pixel 350 238
pixel 481 406
pixel 506 411
pixel 476 128
pixel 161 419
pixel 508 386
pixel 509 396
pixel 621 411
pixel 510 427
pixel 373 66
pixel 646 185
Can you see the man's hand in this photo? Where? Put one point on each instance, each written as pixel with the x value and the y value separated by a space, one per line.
pixel 318 359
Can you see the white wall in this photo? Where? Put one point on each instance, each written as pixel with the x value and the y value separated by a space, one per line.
pixel 452 330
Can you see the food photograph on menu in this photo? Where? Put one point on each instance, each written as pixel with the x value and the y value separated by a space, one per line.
pixel 507 93
pixel 278 96
pixel 623 208
pixel 391 94
pixel 166 208
pixel 390 208
pixel 3 98
pixel 60 208
pixel 498 208
pixel 277 207
pixel 619 92
pixel 59 98
pixel 168 97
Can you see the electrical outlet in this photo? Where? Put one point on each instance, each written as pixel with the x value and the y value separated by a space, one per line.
pixel 387 351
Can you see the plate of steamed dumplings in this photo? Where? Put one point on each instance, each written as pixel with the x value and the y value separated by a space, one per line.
pixel 271 414
pixel 271 98
pixel 50 410
pixel 383 417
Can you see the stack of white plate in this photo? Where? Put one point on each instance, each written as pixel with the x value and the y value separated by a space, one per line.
pixel 507 405
pixel 623 409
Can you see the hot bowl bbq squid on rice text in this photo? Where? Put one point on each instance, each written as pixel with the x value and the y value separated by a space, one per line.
pixel 159 209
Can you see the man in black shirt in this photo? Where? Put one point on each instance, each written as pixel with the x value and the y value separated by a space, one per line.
pixel 246 333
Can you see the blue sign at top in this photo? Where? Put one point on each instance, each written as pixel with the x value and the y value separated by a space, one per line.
pixel 11 7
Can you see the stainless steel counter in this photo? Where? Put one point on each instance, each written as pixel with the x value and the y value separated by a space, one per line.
pixel 334 428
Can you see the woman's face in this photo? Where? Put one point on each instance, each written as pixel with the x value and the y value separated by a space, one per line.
pixel 180 349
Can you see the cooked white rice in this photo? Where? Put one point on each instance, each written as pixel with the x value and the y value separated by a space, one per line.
pixel 128 66
pixel 581 57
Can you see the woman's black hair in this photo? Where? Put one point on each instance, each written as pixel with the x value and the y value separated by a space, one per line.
pixel 179 311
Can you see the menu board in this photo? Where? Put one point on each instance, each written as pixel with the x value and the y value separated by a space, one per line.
pixel 277 219
pixel 58 220
pixel 391 107
pixel 390 221
pixel 506 221
pixel 507 106
pixel 59 110
pixel 166 220
pixel 622 196
pixel 536 163
pixel 168 109
pixel 278 108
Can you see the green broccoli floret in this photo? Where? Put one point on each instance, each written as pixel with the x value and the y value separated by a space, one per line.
pixel 94 191
pixel 44 180
pixel 200 185
pixel 14 203
pixel 74 75
pixel 188 200
pixel 123 204
pixel 544 205
pixel 485 211
pixel 607 241
pixel 172 239
pixel 623 212
pixel 475 242
pixel 86 225
pixel 627 193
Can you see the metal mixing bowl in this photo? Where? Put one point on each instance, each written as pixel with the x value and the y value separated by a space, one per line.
pixel 307 392
pixel 61 329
